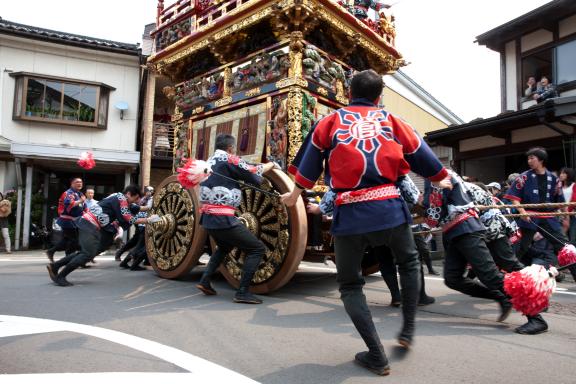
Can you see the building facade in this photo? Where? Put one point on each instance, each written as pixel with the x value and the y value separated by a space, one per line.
pixel 61 95
pixel 541 43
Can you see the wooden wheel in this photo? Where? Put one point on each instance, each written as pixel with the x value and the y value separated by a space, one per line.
pixel 282 230
pixel 176 243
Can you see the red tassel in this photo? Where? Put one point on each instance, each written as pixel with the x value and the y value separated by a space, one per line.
pixel 567 255
pixel 193 173
pixel 86 160
pixel 530 289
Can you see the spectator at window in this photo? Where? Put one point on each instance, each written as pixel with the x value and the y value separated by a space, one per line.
pixel 532 86
pixel 545 91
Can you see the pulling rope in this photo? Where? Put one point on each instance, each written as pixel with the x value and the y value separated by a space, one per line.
pixel 542 205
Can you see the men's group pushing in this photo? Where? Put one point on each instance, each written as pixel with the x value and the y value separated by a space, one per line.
pixel 363 152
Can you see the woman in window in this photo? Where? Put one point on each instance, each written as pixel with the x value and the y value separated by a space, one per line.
pixel 546 90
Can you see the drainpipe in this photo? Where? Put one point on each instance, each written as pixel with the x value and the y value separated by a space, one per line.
pixel 18 204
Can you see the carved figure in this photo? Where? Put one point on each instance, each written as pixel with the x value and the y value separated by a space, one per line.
pixel 278 140
pixel 308 118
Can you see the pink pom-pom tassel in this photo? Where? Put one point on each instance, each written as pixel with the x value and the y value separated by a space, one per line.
pixel 86 160
pixel 567 255
pixel 193 173
pixel 530 289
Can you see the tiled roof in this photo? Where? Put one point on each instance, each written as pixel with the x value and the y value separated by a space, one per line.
pixel 10 27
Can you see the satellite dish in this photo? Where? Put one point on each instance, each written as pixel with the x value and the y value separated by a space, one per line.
pixel 122 106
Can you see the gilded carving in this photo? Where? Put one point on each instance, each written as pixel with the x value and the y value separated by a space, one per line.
pixel 223 101
pixel 296 47
pixel 294 122
pixel 177 115
pixel 253 92
pixel 227 82
pixel 323 91
pixel 169 92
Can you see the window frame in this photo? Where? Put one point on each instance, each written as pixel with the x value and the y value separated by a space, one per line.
pixel 553 46
pixel 21 96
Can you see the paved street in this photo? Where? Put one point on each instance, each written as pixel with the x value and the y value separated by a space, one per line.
pixel 122 325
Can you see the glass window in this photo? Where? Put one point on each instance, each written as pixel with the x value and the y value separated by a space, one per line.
pixel 566 62
pixel 536 65
pixel 35 97
pixel 53 100
pixel 61 101
pixel 87 108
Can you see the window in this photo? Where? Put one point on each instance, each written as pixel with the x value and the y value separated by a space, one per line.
pixel 565 59
pixel 556 63
pixel 52 100
pixel 537 65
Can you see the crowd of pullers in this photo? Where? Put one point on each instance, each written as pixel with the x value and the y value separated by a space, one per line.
pixel 372 148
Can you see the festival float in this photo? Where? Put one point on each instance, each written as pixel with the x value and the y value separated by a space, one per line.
pixel 263 71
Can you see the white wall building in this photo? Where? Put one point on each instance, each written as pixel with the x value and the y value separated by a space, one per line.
pixel 60 95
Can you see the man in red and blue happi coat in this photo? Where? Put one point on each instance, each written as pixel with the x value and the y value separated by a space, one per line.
pixel 364 150
pixel 538 186
pixel 70 207
pixel 221 195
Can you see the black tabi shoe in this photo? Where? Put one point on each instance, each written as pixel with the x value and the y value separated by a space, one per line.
pixel 52 272
pixel 433 272
pixel 246 298
pixel 206 289
pixel 61 281
pixel 378 367
pixel 396 303
pixel 505 310
pixel 137 268
pixel 426 301
pixel 534 326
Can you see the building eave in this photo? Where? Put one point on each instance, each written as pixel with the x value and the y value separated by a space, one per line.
pixel 551 110
pixel 540 17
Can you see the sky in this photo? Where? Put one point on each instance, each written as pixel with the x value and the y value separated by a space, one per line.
pixel 435 36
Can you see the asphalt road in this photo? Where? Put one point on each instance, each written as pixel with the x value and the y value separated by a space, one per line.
pixel 133 326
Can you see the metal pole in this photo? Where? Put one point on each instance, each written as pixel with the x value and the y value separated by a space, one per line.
pixel 27 206
pixel 45 206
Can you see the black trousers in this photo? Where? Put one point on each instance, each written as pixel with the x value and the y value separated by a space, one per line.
pixel 424 251
pixel 68 242
pixel 229 238
pixel 349 251
pixel 471 248
pixel 503 255
pixel 92 242
pixel 556 238
pixel 139 250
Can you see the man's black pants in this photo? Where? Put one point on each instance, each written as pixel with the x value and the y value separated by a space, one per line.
pixel 349 252
pixel 229 238
pixel 92 242
pixel 471 248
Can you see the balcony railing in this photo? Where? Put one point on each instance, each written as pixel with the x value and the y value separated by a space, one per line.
pixel 162 141
pixel 185 17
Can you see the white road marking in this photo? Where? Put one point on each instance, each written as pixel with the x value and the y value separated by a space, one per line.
pixel 200 369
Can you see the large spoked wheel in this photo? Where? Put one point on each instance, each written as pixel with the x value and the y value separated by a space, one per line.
pixel 283 231
pixel 176 243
